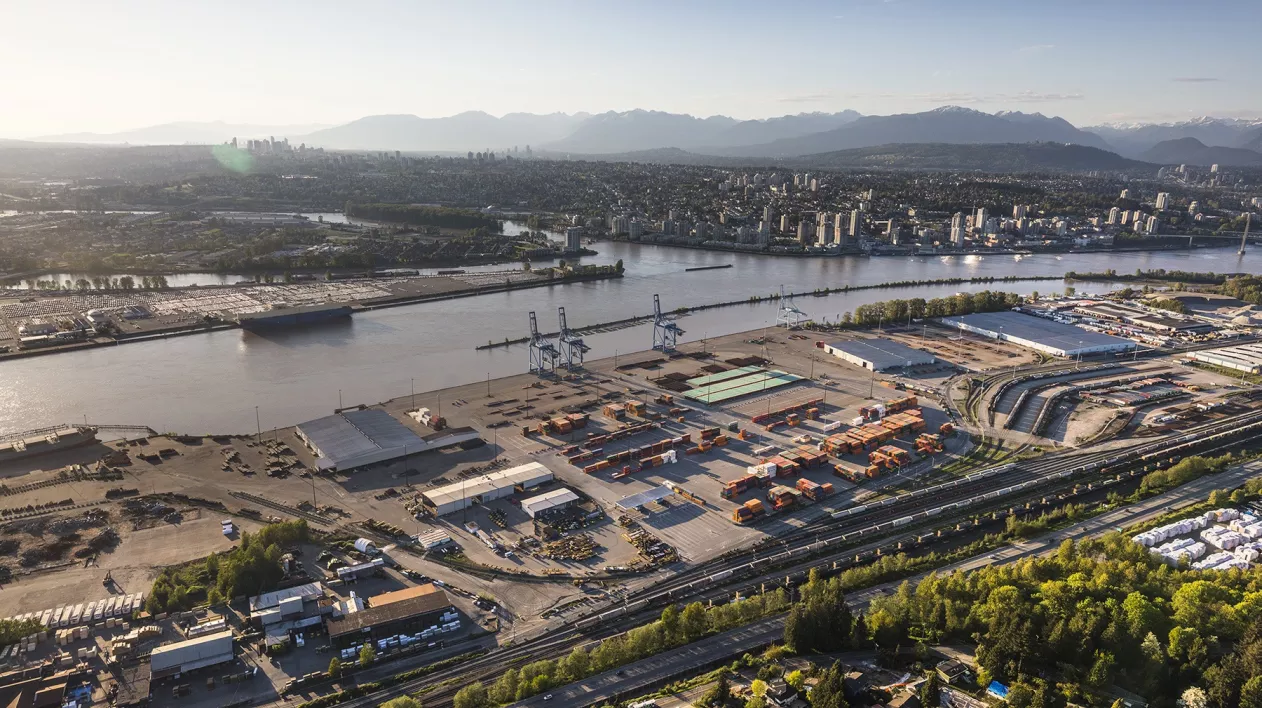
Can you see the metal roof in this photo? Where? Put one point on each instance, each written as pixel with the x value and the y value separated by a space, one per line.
pixel 1048 333
pixel 638 500
pixel 527 475
pixel 350 435
pixel 883 353
pixel 376 615
pixel 549 500
pixel 194 653
pixel 273 599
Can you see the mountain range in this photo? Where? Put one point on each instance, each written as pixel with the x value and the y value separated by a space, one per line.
pixel 1202 141
pixel 1191 151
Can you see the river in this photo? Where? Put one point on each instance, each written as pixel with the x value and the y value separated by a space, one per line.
pixel 212 382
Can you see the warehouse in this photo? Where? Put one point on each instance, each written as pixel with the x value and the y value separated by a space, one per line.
pixel 182 657
pixel 878 354
pixel 1246 358
pixel 402 611
pixel 496 485
pixel 1039 334
pixel 556 499
pixel 352 439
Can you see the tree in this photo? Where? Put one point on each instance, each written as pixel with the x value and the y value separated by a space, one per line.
pixel 472 696
pixel 756 702
pixel 670 622
pixel 367 655
pixel 830 692
pixel 335 667
pixel 401 702
pixel 693 622
pixel 1194 698
pixel 127 282
pixel 795 679
pixel 930 690
pixel 758 687
pixel 720 694
pixel 1251 693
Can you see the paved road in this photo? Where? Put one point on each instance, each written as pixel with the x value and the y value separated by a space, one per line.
pixel 684 660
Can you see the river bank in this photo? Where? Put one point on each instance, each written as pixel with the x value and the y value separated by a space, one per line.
pixel 219 326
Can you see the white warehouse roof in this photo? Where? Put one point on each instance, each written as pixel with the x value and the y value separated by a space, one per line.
pixel 554 499
pixel 878 354
pixel 496 485
pixel 268 600
pixel 193 654
pixel 1040 334
pixel 352 439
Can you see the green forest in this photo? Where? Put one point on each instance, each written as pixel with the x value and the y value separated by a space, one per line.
pixel 894 311
pixel 441 217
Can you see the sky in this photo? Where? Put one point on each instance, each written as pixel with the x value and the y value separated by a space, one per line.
pixel 109 66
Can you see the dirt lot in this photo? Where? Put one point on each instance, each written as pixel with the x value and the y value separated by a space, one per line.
pixel 968 351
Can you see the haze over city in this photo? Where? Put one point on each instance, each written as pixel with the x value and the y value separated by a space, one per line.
pixel 132 64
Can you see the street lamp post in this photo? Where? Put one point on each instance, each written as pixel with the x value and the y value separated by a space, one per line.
pixel 413 394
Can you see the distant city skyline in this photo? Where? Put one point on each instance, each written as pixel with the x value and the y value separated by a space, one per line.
pixel 107 68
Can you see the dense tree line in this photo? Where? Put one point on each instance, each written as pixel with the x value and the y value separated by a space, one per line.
pixel 441 217
pixel 675 627
pixel 251 568
pixel 1174 276
pixel 1244 287
pixel 895 311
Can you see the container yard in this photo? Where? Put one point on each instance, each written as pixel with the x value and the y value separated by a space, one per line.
pixel 571 475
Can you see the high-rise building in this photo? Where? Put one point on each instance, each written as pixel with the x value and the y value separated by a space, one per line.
pixel 957 230
pixel 784 223
pixel 814 184
pixel 1020 210
pixel 856 223
pixel 1126 194
pixel 573 239
pixel 803 237
pixel 1152 226
pixel 1163 198
pixel 635 229
pixel 822 235
pixel 840 236
pixel 892 232
pixel 766 214
pixel 620 225
pixel 1213 169
pixel 979 220
pixel 1114 213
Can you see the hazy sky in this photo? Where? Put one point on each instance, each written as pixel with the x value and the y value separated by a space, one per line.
pixel 108 66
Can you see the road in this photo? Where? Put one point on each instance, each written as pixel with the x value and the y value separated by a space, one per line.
pixel 692 657
pixel 685 660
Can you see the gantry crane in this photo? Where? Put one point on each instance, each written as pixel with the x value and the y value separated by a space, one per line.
pixel 543 355
pixel 665 331
pixel 572 346
pixel 789 316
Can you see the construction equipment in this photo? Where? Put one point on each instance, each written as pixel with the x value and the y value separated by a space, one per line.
pixel 543 355
pixel 572 347
pixel 665 332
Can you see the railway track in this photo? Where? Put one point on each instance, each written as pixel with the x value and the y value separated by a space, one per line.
pixel 714 579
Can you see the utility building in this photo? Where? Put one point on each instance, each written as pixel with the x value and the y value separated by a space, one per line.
pixel 496 485
pixel 182 657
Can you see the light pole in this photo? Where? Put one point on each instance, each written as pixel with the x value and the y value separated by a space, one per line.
pixel 339 399
pixel 258 425
pixel 413 394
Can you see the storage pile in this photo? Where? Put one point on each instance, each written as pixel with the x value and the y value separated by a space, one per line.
pixel 577 547
pixel 1237 543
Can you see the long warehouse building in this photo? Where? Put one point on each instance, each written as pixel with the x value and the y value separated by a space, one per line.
pixel 878 354
pixel 1036 333
pixel 496 485
pixel 1246 358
